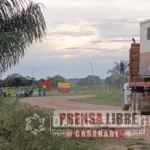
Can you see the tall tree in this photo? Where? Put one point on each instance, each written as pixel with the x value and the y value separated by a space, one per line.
pixel 89 81
pixel 54 80
pixel 17 80
pixel 116 80
pixel 115 71
pixel 21 23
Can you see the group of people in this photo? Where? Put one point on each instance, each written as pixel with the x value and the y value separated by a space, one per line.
pixel 41 92
pixel 29 93
pixel 24 93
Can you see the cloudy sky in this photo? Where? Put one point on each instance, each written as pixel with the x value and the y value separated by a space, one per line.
pixel 83 30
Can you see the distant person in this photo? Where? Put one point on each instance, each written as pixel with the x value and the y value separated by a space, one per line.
pixel 18 93
pixel 30 93
pixel 44 93
pixel 35 93
pixel 39 91
pixel 26 93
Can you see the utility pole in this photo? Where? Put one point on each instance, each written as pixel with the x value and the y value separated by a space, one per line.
pixel 93 77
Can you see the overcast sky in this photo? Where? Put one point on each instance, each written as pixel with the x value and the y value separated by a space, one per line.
pixel 83 30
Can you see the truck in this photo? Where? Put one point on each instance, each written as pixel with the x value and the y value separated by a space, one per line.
pixel 137 91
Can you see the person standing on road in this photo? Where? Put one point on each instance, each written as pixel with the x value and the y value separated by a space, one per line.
pixel 44 93
pixel 39 91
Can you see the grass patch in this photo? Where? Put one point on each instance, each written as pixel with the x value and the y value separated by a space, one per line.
pixel 11 91
pixel 104 98
pixel 14 136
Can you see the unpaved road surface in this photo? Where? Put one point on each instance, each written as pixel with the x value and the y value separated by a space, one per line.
pixel 62 103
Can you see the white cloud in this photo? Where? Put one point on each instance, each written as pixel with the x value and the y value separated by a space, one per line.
pixel 79 30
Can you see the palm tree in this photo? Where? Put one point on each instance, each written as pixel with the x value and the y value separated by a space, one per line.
pixel 115 78
pixel 21 23
pixel 115 71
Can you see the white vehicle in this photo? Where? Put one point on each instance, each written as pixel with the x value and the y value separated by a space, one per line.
pixel 126 101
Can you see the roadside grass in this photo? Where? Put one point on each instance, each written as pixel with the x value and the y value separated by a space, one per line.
pixel 104 98
pixel 14 136
pixel 11 91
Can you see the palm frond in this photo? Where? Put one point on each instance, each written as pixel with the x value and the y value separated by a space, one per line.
pixel 115 71
pixel 19 27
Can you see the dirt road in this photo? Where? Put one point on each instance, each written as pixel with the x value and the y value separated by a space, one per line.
pixel 62 103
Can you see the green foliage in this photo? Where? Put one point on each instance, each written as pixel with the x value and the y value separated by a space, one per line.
pixel 115 79
pixel 14 136
pixel 22 23
pixel 89 81
pixel 16 80
pixel 115 71
pixel 54 80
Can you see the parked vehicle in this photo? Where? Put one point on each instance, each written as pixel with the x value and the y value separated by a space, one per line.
pixel 138 88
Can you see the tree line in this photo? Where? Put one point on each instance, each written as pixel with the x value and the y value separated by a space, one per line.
pixel 114 79
pixel 16 80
